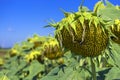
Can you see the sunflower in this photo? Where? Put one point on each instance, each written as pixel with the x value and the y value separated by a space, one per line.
pixel 115 28
pixel 88 35
pixel 82 33
pixel 49 48
pixel 52 49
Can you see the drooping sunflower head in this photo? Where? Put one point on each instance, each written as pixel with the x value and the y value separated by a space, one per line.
pixel 49 48
pixel 82 33
pixel 52 49
pixel 115 28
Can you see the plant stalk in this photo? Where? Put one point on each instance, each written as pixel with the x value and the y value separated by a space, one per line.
pixel 93 69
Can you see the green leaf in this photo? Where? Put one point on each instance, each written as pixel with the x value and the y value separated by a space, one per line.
pixel 50 78
pixel 54 71
pixel 52 75
pixel 108 4
pixel 114 74
pixel 73 74
pixel 33 69
pixel 116 52
pixel 27 45
pixel 4 78
pixel 109 13
pixel 102 72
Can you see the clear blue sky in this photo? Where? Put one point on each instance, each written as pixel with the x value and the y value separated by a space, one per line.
pixel 20 19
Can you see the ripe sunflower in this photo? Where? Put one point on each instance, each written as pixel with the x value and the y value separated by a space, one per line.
pixel 82 33
pixel 49 48
pixel 115 29
pixel 87 34
pixel 52 49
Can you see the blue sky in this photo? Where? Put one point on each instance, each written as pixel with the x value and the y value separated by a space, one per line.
pixel 20 19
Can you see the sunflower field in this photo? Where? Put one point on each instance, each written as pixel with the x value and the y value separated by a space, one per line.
pixel 85 46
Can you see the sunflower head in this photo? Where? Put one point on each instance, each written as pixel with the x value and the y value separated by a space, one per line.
pixel 49 48
pixel 82 33
pixel 52 49
pixel 115 28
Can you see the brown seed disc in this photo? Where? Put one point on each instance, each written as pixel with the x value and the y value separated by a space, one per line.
pixel 95 40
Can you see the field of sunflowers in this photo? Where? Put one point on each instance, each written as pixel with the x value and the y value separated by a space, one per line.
pixel 85 46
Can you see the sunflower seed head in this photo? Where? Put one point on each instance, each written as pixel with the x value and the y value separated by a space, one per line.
pixel 52 49
pixel 83 34
pixel 115 29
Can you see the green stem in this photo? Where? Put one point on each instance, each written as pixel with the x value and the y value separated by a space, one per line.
pixel 93 69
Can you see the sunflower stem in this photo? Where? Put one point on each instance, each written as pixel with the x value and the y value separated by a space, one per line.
pixel 93 69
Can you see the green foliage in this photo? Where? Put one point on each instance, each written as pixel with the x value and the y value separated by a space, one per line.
pixel 37 66
pixel 113 74
pixel 1 61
